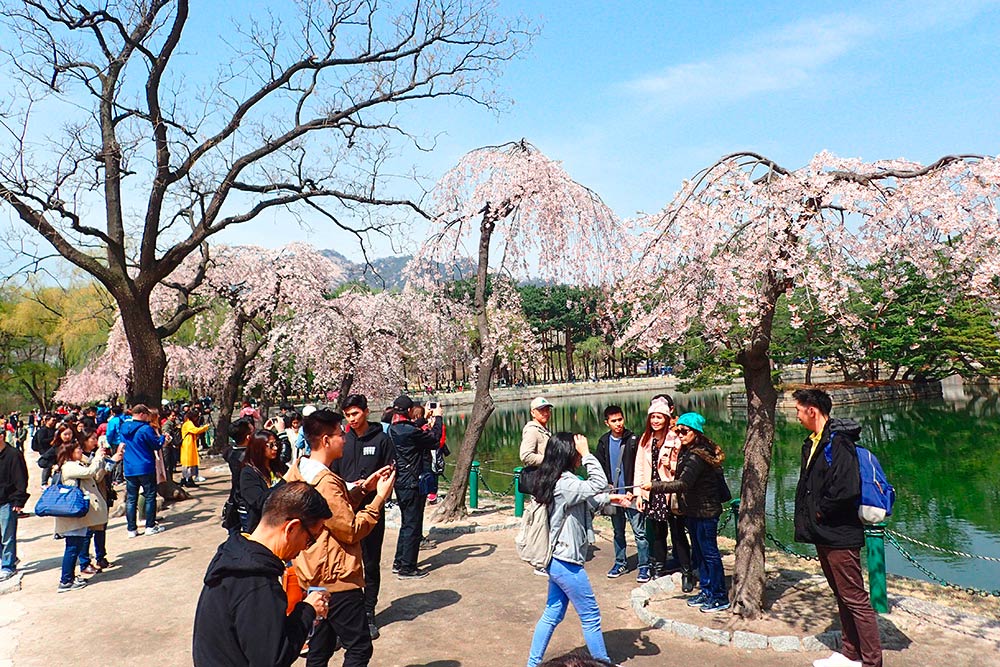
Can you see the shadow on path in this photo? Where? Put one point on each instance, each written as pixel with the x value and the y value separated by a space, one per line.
pixel 457 554
pixel 409 607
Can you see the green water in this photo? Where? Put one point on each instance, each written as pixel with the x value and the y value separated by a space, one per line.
pixel 942 456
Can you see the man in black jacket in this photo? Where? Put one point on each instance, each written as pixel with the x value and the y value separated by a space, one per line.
pixel 41 442
pixel 13 496
pixel 826 515
pixel 616 451
pixel 411 443
pixel 240 619
pixel 367 449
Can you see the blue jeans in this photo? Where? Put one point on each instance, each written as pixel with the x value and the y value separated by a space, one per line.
pixel 8 537
pixel 148 484
pixel 705 552
pixel 568 582
pixel 100 539
pixel 637 520
pixel 74 545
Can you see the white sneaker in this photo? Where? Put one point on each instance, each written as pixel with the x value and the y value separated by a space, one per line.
pixel 133 533
pixel 200 479
pixel 155 529
pixel 836 660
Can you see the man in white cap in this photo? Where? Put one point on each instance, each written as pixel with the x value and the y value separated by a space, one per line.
pixel 536 433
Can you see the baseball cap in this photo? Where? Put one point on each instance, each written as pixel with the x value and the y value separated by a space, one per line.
pixel 402 404
pixel 540 402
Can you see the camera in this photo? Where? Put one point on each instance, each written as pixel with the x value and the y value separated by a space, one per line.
pixel 432 405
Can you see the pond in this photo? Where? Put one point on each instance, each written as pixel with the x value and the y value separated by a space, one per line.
pixel 942 456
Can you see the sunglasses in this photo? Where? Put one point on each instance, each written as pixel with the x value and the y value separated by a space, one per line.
pixel 682 431
pixel 311 540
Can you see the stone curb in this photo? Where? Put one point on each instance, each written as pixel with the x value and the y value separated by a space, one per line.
pixel 738 639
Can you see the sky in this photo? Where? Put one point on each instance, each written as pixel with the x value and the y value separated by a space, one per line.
pixel 634 97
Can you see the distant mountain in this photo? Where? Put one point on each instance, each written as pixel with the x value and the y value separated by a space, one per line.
pixel 388 271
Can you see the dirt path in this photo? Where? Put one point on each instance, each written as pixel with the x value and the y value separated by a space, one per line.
pixel 478 606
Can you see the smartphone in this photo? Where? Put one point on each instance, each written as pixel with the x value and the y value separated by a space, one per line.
pixel 432 405
pixel 315 589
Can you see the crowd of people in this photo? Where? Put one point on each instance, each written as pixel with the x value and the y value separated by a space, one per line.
pixel 300 570
pixel 667 483
pixel 99 450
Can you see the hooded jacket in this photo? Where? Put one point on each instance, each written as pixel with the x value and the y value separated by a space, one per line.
pixel 240 619
pixel 141 441
pixel 826 497
pixel 630 445
pixel 13 477
pixel 364 454
pixel 411 443
pixel 334 561
pixel 85 475
pixel 697 481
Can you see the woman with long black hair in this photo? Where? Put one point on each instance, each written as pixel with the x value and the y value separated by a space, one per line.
pixel 567 497
pixel 262 471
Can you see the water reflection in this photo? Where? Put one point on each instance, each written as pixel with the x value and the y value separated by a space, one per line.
pixel 942 456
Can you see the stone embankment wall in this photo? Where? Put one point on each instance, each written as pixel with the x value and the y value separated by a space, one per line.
pixel 897 391
pixel 551 391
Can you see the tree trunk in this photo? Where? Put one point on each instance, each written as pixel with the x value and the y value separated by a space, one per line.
pixel 570 349
pixel 749 577
pixel 149 361
pixel 453 507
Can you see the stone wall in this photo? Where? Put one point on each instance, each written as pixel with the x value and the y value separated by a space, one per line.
pixel 896 391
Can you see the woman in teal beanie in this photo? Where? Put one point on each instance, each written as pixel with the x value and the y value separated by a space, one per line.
pixel 697 482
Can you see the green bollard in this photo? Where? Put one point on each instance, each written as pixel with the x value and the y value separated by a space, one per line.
pixel 875 546
pixel 474 486
pixel 518 496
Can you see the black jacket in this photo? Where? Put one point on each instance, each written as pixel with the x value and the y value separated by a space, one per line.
pixel 41 442
pixel 411 443
pixel 240 618
pixel 697 482
pixel 253 491
pixel 826 498
pixel 364 455
pixel 630 445
pixel 13 477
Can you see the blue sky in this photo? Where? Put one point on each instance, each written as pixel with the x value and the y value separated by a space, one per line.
pixel 634 97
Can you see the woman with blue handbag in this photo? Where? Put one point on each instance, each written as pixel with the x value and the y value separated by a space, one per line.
pixel 73 470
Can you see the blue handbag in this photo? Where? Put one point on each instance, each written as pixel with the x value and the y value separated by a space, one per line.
pixel 59 499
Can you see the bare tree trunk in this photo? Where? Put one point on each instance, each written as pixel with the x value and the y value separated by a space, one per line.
pixel 570 348
pixel 149 361
pixel 453 507
pixel 749 577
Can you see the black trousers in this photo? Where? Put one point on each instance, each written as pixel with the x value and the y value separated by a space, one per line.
pixel 345 619
pixel 371 556
pixel 411 528
pixel 658 531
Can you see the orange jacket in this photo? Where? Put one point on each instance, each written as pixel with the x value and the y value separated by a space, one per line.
pixel 334 561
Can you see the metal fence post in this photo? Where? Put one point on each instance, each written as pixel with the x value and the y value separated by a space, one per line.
pixel 474 486
pixel 518 496
pixel 875 546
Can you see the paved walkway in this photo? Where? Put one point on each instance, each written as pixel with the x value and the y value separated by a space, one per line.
pixel 478 606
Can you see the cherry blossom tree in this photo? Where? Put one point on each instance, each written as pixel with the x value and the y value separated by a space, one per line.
pixel 363 342
pixel 152 154
pixel 518 213
pixel 746 231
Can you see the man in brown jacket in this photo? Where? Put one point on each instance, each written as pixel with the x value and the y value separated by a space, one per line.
pixel 333 561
